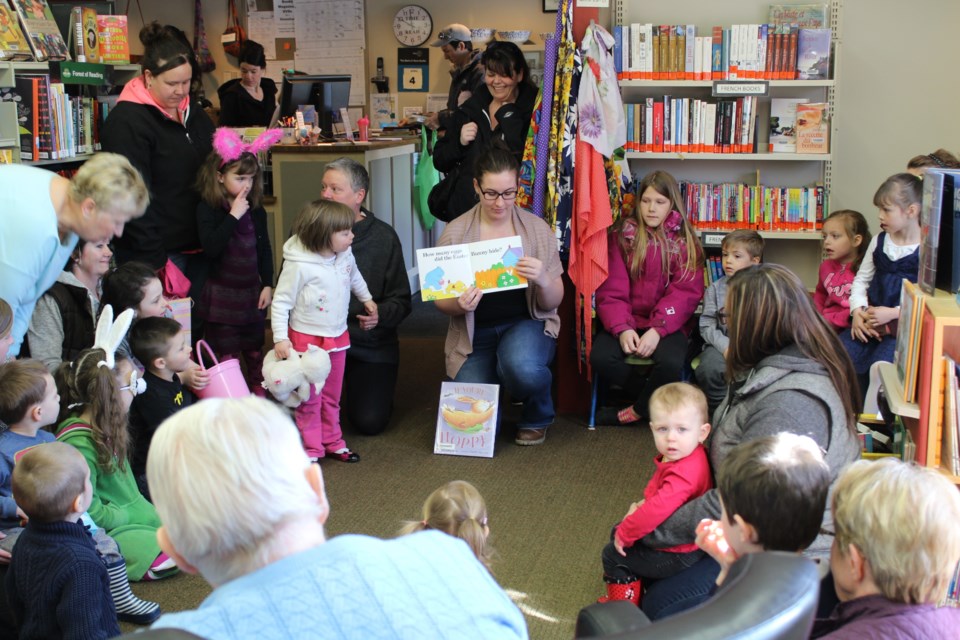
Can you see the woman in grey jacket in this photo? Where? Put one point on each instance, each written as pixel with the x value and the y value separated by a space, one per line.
pixel 788 372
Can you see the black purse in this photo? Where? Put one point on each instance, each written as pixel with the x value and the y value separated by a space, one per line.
pixel 439 198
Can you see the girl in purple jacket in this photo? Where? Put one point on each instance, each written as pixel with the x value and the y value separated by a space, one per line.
pixel 646 304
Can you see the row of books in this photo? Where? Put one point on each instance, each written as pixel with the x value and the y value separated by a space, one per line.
pixel 53 124
pixel 950 443
pixel 713 270
pixel 28 31
pixel 741 52
pixel 728 206
pixel 690 125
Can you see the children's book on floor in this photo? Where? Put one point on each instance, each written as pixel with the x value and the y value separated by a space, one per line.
pixel 490 265
pixel 467 419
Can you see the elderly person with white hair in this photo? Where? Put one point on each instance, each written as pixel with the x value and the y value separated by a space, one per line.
pixel 242 505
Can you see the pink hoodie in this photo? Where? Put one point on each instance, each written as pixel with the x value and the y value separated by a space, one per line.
pixel 137 92
pixel 832 296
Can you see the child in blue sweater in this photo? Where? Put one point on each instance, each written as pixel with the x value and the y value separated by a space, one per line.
pixel 29 402
pixel 57 585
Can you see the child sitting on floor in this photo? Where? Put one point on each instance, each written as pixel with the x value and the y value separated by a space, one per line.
pixel 29 401
pixel 678 418
pixel 773 491
pixel 457 509
pixel 161 346
pixel 57 585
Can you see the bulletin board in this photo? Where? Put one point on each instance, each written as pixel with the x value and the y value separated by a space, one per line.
pixel 313 36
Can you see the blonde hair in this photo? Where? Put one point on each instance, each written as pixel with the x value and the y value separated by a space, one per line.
pixel 903 519
pixel 319 220
pixel 678 395
pixel 457 509
pixel 114 185
pixel 6 318
pixel 636 250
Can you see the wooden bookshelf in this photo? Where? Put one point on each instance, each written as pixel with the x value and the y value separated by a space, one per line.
pixel 940 335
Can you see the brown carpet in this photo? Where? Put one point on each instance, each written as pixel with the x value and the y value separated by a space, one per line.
pixel 551 506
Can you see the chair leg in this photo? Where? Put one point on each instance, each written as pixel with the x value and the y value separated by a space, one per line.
pixel 592 421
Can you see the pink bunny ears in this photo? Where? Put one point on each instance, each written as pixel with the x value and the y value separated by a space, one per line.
pixel 229 145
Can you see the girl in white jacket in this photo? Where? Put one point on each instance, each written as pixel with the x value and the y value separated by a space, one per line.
pixel 310 307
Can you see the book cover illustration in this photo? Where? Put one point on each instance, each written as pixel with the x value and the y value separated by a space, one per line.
pixel 907 351
pixel 42 32
pixel 813 54
pixel 930 216
pixel 783 124
pixel 467 419
pixel 490 265
pixel 813 127
pixel 805 16
pixel 114 44
pixel 13 46
pixel 84 39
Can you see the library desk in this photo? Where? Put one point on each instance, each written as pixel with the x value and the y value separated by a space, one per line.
pixel 298 171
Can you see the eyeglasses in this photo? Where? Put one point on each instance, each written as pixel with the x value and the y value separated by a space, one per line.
pixel 722 316
pixel 137 385
pixel 491 196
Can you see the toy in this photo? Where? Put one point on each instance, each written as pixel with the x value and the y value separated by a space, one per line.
pixel 289 380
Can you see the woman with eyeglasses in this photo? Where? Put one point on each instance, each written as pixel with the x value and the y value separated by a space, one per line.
pixel 507 337
pixel 788 372
pixel 499 110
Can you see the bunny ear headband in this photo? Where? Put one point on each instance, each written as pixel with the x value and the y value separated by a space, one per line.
pixel 229 145
pixel 110 334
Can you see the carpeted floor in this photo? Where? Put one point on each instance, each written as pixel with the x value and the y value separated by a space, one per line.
pixel 551 506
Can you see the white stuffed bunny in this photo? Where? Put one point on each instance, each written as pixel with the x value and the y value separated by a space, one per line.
pixel 289 380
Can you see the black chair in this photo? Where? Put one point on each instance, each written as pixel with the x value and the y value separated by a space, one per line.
pixel 766 596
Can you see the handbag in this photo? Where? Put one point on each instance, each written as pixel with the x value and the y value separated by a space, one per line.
pixel 200 47
pixel 234 35
pixel 426 178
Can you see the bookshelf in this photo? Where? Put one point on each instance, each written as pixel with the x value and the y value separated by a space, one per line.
pixel 799 250
pixel 940 335
pixel 69 74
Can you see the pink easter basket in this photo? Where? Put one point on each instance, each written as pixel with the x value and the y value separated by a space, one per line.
pixel 226 378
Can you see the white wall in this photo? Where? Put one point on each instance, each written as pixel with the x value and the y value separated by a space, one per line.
pixel 898 92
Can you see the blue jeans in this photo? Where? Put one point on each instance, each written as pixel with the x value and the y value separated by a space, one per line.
pixel 683 591
pixel 517 356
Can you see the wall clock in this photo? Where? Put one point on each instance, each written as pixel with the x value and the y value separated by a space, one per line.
pixel 412 25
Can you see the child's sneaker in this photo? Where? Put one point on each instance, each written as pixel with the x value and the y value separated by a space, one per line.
pixel 345 455
pixel 163 567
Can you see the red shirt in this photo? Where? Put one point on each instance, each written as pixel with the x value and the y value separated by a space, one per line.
pixel 673 484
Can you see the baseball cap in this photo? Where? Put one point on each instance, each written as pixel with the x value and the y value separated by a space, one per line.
pixel 452 32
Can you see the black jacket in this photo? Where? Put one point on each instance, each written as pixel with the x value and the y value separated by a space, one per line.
pixel 215 228
pixel 74 305
pixel 168 155
pixel 513 120
pixel 379 256
pixel 240 109
pixel 469 79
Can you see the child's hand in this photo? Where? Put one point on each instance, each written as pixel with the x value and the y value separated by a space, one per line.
pixel 883 315
pixel 195 377
pixel 618 545
pixel 629 341
pixel 240 203
pixel 369 320
pixel 860 328
pixel 648 343
pixel 5 556
pixel 282 349
pixel 633 507
pixel 23 517
pixel 469 299
pixel 710 538
pixel 266 297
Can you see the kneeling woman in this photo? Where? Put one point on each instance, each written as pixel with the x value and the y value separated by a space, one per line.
pixel 507 338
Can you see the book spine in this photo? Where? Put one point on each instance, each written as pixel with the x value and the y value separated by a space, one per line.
pixel 667 124
pixel 658 126
pixel 691 51
pixel 618 49
pixel 716 54
pixel 791 64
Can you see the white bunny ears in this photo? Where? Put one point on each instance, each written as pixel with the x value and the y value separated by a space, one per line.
pixel 110 334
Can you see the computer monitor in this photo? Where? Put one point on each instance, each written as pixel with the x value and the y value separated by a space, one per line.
pixel 328 93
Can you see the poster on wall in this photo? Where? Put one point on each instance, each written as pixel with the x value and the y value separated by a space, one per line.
pixel 413 68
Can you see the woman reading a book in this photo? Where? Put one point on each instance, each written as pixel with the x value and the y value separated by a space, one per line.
pixel 788 373
pixel 509 337
pixel 166 135
pixel 43 216
pixel 251 100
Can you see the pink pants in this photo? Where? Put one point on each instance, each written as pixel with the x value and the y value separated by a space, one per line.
pixel 318 419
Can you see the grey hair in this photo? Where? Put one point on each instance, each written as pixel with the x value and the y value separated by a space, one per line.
pixel 356 172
